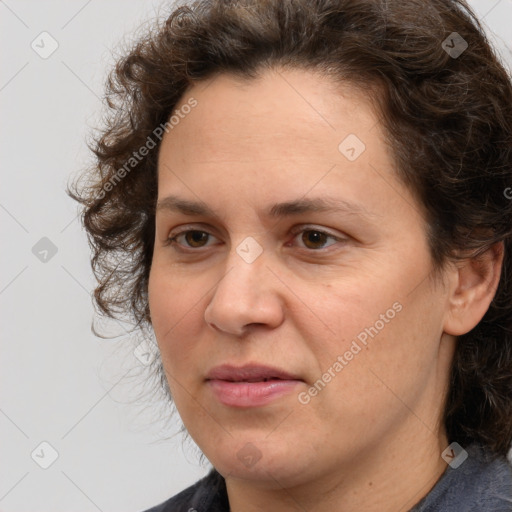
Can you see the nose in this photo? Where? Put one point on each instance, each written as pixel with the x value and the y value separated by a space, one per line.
pixel 247 295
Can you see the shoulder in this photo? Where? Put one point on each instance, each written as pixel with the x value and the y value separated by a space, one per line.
pixel 482 483
pixel 209 493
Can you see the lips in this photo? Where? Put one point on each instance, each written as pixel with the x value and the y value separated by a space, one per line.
pixel 250 385
pixel 249 373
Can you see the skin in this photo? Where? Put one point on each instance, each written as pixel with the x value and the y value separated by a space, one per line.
pixel 371 439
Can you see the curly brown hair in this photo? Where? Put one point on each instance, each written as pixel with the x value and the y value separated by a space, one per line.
pixel 448 120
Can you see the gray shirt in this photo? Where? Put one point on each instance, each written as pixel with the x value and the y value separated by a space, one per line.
pixel 482 483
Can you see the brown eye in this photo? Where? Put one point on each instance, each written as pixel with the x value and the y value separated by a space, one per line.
pixel 196 238
pixel 314 239
pixel 191 239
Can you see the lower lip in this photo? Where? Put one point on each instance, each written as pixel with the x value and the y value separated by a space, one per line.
pixel 250 394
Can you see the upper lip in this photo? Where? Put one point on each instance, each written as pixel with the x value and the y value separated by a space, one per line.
pixel 249 372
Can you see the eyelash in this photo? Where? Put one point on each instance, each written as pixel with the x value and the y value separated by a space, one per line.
pixel 172 240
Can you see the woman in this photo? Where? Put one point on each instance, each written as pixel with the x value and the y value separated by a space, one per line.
pixel 306 201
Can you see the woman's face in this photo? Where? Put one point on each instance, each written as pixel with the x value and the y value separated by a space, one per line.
pixel 294 247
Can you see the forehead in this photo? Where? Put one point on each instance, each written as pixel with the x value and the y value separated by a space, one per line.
pixel 279 114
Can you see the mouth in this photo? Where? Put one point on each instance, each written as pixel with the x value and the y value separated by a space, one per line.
pixel 249 373
pixel 250 385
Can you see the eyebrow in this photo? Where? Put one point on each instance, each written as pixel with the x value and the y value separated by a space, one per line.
pixel 285 209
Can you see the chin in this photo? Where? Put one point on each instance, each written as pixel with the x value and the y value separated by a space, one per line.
pixel 267 465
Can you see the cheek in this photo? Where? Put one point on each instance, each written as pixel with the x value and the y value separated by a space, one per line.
pixel 346 309
pixel 374 329
pixel 159 300
pixel 177 326
pixel 174 310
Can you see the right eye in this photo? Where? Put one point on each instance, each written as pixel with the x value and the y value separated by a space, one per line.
pixel 190 239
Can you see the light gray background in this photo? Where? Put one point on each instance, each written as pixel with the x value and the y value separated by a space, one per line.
pixel 59 383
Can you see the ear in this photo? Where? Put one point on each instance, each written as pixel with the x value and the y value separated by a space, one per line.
pixel 474 284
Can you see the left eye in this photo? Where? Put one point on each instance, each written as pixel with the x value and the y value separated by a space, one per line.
pixel 316 239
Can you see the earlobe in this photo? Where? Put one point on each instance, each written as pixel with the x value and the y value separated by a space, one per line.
pixel 475 283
